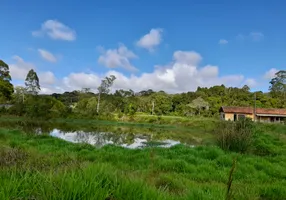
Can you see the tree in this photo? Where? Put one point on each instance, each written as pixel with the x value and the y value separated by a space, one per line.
pixel 19 94
pixel 44 107
pixel 104 88
pixel 198 104
pixel 278 84
pixel 161 103
pixel 32 83
pixel 6 88
pixel 246 88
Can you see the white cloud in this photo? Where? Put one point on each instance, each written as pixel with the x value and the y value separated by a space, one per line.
pixel 256 36
pixel 51 89
pixel 48 56
pixel 76 81
pixel 187 57
pixel 250 82
pixel 56 30
pixel 222 41
pixel 270 73
pixel 181 75
pixel 120 57
pixel 47 78
pixel 20 68
pixel 150 40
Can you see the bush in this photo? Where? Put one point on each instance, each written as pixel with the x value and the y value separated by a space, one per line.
pixel 235 136
pixel 17 109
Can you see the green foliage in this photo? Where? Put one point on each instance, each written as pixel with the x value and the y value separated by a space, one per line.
pixel 19 94
pixel 198 104
pixel 162 103
pixel 86 107
pixel 204 102
pixel 43 107
pixel 18 109
pixel 6 88
pixel 32 83
pixel 4 71
pixel 130 109
pixel 278 84
pixel 104 88
pixel 235 136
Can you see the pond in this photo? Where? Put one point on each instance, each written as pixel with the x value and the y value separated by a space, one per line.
pixel 100 139
pixel 129 135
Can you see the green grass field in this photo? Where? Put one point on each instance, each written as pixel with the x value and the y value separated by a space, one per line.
pixel 41 167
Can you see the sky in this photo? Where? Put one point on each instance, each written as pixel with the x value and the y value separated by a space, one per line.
pixel 174 46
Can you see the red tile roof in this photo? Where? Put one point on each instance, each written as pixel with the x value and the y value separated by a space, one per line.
pixel 249 110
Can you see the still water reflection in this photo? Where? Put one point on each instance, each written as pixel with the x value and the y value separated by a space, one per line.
pixel 100 133
pixel 100 139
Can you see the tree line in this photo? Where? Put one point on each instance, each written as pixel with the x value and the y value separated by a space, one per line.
pixel 26 101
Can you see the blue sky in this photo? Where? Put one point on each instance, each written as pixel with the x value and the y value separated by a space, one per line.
pixel 171 45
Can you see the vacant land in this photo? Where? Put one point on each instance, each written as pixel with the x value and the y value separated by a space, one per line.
pixel 41 167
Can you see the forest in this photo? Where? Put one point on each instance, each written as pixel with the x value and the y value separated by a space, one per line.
pixel 27 100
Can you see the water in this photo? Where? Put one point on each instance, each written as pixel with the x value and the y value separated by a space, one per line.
pixel 100 133
pixel 100 139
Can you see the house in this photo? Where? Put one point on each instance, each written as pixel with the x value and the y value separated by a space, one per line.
pixel 233 113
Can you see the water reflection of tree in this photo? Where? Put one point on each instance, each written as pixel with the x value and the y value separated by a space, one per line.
pixel 100 139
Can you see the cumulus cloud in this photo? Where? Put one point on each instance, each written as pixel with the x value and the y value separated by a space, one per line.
pixel 222 41
pixel 48 56
pixel 182 74
pixel 55 30
pixel 256 36
pixel 151 39
pixel 20 68
pixel 76 81
pixel 187 57
pixel 119 57
pixel 47 77
pixel 270 73
pixel 49 89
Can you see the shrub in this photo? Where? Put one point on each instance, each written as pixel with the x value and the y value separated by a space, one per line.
pixel 235 136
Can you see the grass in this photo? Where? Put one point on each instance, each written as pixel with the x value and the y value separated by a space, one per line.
pixel 41 167
pixel 137 120
pixel 236 136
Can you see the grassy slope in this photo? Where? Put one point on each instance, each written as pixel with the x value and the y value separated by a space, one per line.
pixel 42 167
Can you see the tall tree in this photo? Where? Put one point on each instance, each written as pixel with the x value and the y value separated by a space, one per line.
pixel 104 88
pixel 278 84
pixel 32 83
pixel 6 88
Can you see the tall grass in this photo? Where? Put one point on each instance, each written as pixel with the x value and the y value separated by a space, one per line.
pixel 235 136
pixel 42 167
